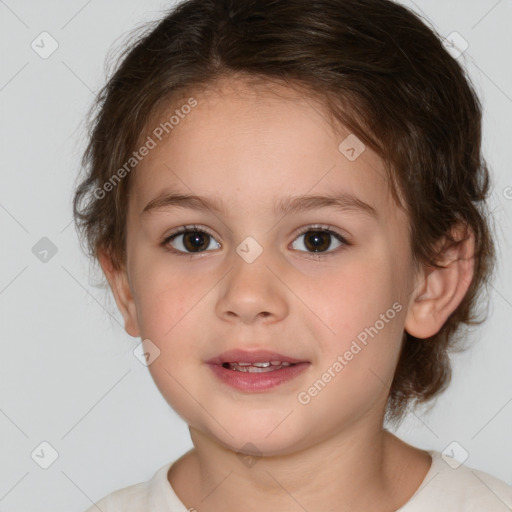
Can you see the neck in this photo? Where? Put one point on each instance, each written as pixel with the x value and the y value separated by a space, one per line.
pixel 355 470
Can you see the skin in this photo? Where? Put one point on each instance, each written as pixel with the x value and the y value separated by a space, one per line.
pixel 249 147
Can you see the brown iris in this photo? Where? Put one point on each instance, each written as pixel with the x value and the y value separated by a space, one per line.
pixel 196 241
pixel 318 241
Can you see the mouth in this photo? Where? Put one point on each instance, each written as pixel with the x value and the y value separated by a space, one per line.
pixel 263 367
pixel 252 371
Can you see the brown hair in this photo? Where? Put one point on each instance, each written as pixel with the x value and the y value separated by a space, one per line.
pixel 381 72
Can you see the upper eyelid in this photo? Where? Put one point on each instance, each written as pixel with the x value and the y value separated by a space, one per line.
pixel 186 228
pixel 301 231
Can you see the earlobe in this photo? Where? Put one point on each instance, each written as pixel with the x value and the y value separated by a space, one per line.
pixel 120 286
pixel 441 290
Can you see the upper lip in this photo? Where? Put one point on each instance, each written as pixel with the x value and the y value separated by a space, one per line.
pixel 251 356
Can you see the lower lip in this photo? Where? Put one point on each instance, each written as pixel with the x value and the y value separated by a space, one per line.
pixel 246 381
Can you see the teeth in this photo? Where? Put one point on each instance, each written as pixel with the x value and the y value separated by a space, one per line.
pixel 257 367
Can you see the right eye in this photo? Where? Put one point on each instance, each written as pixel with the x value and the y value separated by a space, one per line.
pixel 190 240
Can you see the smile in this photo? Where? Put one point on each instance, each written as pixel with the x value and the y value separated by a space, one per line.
pixel 260 367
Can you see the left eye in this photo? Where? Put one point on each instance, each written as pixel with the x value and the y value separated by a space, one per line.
pixel 319 240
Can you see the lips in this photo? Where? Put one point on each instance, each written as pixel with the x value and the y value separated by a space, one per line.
pixel 255 371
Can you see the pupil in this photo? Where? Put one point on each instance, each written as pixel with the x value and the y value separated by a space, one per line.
pixel 195 240
pixel 320 240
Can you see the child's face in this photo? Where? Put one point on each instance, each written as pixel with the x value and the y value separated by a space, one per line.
pixel 250 151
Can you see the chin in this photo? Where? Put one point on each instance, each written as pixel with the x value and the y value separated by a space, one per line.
pixel 265 437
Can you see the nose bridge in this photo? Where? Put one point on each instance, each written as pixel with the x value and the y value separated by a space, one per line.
pixel 251 289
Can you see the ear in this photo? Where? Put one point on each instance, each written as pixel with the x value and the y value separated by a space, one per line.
pixel 440 290
pixel 120 284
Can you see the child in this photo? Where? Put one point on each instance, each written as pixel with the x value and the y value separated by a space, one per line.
pixel 288 201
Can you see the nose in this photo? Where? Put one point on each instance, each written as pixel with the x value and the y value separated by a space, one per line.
pixel 252 293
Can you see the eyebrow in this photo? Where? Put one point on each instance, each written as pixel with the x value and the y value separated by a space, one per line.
pixel 342 201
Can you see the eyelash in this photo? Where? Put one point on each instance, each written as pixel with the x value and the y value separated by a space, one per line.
pixel 315 255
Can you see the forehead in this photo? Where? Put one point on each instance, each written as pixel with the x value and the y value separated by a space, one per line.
pixel 248 143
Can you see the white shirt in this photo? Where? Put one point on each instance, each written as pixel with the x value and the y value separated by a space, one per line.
pixel 445 488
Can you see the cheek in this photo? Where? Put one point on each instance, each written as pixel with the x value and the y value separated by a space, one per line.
pixel 358 362
pixel 169 307
pixel 361 308
pixel 165 296
pixel 351 298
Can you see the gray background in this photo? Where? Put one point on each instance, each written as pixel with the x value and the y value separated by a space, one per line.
pixel 68 374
